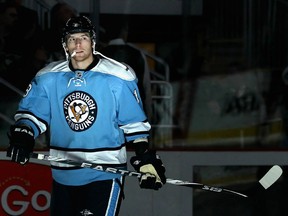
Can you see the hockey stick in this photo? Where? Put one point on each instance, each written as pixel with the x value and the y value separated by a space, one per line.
pixel 108 169
pixel 266 181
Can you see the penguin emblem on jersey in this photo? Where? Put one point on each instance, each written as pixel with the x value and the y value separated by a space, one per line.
pixel 80 110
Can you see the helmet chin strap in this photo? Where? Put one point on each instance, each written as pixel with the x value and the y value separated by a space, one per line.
pixel 94 46
pixel 110 59
pixel 65 50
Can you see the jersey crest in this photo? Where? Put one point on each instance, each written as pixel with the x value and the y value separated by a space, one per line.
pixel 80 110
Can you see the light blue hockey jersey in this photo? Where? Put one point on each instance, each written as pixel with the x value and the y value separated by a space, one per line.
pixel 89 113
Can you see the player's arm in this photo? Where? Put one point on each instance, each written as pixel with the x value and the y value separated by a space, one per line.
pixel 28 126
pixel 136 129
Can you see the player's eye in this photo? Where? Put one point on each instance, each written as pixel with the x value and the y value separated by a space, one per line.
pixel 84 38
pixel 71 39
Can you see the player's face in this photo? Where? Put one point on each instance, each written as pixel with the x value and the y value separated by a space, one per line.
pixel 81 44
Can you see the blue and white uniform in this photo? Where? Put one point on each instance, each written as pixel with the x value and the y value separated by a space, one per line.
pixel 91 114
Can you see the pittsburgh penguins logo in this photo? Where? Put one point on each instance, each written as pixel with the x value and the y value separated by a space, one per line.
pixel 80 110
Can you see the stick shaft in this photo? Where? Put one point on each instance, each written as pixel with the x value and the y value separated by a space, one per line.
pixel 123 172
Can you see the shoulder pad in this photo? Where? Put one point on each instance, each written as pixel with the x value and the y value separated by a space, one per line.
pixel 61 65
pixel 115 68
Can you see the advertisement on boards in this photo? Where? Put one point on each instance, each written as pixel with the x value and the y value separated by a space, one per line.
pixel 25 190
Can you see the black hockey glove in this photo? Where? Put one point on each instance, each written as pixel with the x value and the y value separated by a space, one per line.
pixel 150 164
pixel 21 143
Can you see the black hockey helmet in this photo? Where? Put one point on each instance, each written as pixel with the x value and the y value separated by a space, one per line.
pixel 76 25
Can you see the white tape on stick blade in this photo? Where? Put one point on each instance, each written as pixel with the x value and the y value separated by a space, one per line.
pixel 271 176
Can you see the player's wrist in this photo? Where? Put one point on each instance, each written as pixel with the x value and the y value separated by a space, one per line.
pixel 140 146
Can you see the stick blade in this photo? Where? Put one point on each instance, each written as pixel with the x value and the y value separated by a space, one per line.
pixel 271 176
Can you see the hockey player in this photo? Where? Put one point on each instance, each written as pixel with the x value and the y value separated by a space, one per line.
pixel 92 107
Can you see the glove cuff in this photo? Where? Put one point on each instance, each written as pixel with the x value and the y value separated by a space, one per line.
pixel 140 146
pixel 22 135
pixel 22 129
